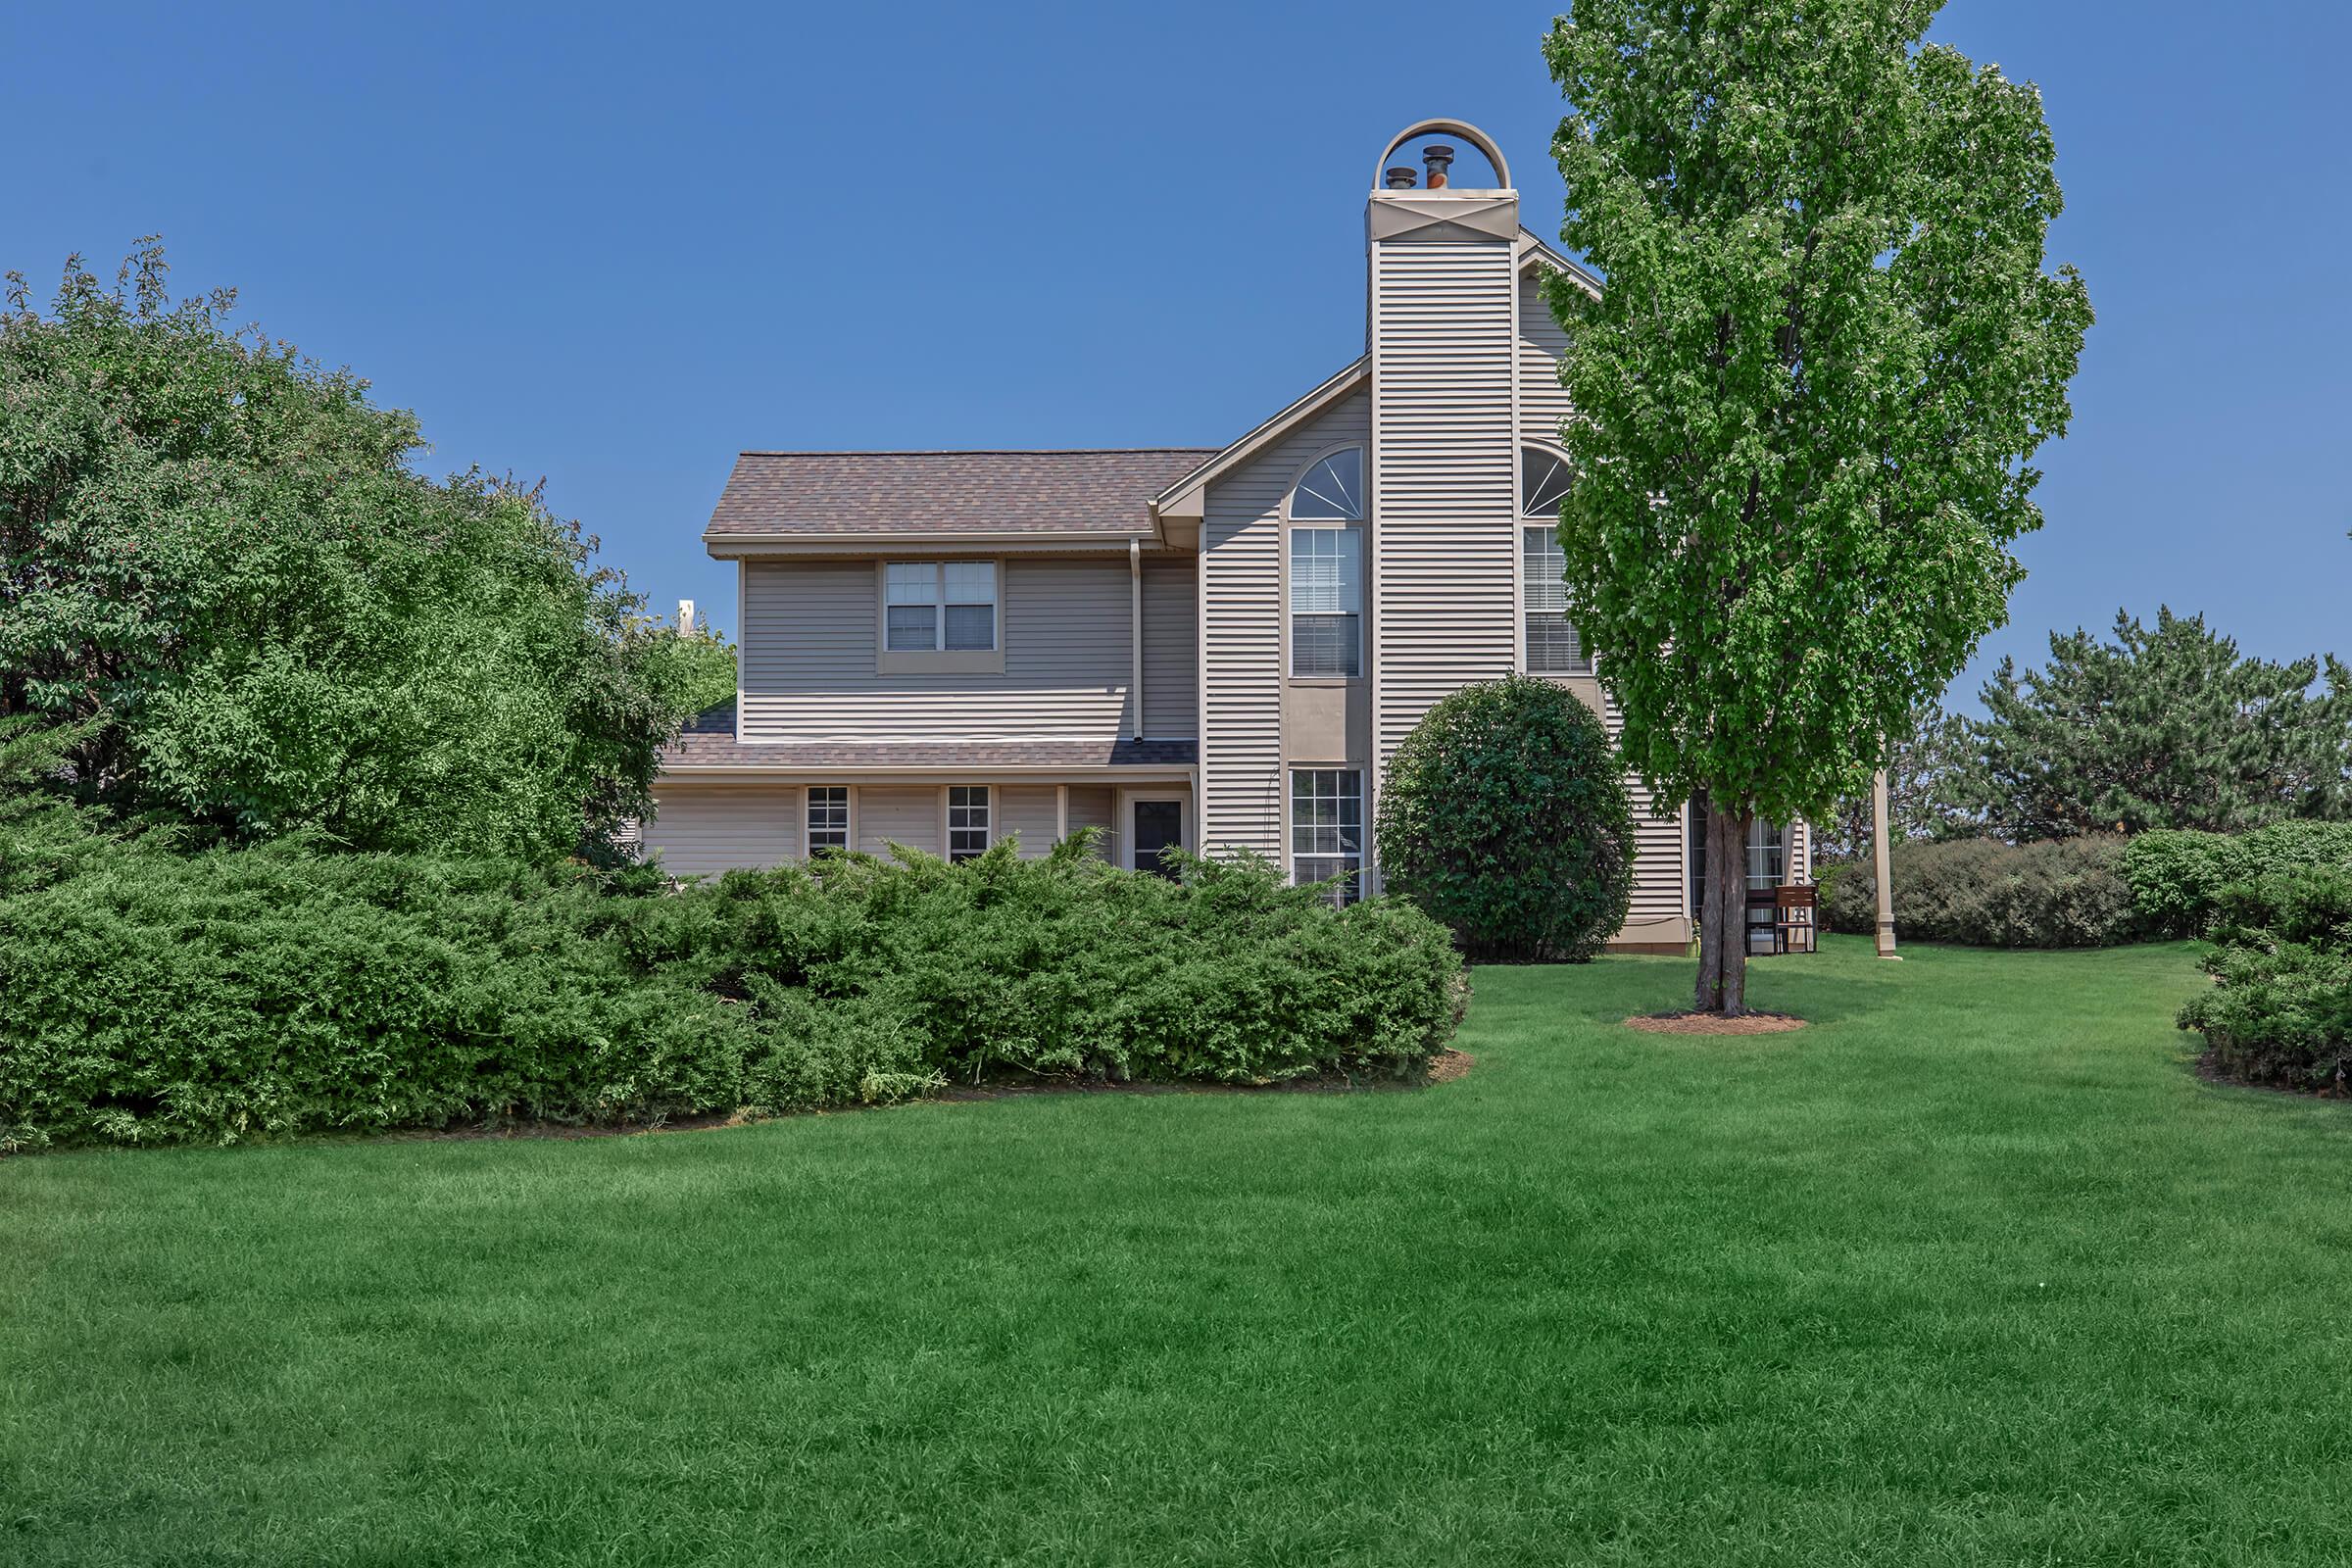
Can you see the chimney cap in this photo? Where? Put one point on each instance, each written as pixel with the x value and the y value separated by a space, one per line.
pixel 1403 178
pixel 1437 150
pixel 1455 131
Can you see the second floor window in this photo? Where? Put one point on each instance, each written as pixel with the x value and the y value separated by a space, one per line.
pixel 1327 567
pixel 1553 647
pixel 939 606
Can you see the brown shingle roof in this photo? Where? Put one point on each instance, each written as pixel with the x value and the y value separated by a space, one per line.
pixel 709 741
pixel 822 492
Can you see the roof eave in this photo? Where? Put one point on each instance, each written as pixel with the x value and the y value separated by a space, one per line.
pixel 725 546
pixel 712 772
pixel 1184 500
pixel 1534 252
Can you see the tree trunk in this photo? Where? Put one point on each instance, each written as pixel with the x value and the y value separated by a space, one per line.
pixel 1735 914
pixel 1711 951
pixel 1723 917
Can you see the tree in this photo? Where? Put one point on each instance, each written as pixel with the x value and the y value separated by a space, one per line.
pixel 2162 727
pixel 691 670
pixel 1807 393
pixel 1931 766
pixel 214 557
pixel 1504 817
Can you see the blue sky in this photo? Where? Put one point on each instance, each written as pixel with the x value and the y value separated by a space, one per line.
pixel 614 246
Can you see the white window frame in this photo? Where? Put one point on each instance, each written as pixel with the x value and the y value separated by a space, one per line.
pixel 1760 842
pixel 1533 522
pixel 939 659
pixel 985 827
pixel 1352 890
pixel 1130 799
pixel 1355 526
pixel 848 818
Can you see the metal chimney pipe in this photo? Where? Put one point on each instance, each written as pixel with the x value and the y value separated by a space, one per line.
pixel 1402 178
pixel 1437 158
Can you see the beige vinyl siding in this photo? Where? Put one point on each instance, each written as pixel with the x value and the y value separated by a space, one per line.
pixel 899 813
pixel 1242 562
pixel 1097 805
pixel 1660 908
pixel 1028 809
pixel 1542 401
pixel 1445 489
pixel 702 829
pixel 1172 648
pixel 809 633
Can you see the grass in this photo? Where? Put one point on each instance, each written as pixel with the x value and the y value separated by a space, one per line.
pixel 1972 1270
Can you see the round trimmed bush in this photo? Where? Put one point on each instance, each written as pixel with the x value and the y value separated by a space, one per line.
pixel 1504 817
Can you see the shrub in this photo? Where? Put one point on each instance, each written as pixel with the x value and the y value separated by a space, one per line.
pixel 2065 893
pixel 155 996
pixel 1504 816
pixel 2282 1010
pixel 2176 874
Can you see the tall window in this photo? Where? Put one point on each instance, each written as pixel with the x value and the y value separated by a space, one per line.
pixel 1327 567
pixel 1327 829
pixel 1553 647
pixel 968 821
pixel 939 606
pixel 828 817
pixel 1767 853
pixel 1767 867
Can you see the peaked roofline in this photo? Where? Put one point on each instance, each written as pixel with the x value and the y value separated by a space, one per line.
pixel 1182 501
pixel 1532 248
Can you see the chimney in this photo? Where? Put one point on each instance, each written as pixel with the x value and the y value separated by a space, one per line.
pixel 1402 178
pixel 685 617
pixel 1439 157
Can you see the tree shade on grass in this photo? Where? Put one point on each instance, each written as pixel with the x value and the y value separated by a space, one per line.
pixel 1974 1270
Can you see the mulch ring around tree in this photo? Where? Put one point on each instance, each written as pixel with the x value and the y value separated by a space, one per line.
pixel 1714 1024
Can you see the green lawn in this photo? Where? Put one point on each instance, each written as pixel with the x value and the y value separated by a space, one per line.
pixel 1974 1270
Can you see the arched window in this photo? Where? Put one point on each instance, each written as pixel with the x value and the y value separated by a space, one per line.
pixel 1542 483
pixel 1327 567
pixel 1553 647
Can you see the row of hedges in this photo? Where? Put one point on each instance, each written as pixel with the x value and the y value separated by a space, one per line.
pixel 2065 893
pixel 2073 892
pixel 2281 1011
pixel 2177 875
pixel 154 997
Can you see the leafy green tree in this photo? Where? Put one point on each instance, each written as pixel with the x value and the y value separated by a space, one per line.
pixel 214 555
pixel 1806 396
pixel 1504 818
pixel 691 670
pixel 2163 727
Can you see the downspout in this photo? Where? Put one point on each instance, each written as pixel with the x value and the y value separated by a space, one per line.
pixel 1135 637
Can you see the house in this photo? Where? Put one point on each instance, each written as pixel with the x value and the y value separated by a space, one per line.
pixel 1213 648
